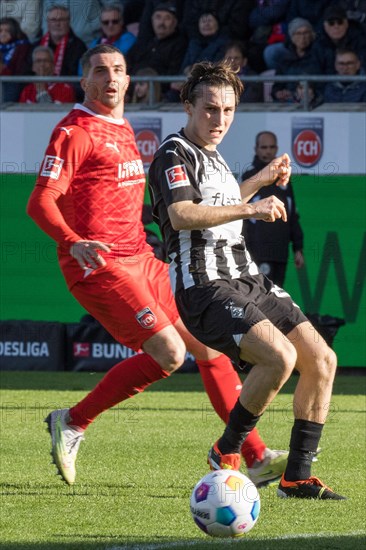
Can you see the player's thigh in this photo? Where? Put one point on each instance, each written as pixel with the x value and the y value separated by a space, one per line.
pixel 265 344
pixel 199 350
pixel 126 299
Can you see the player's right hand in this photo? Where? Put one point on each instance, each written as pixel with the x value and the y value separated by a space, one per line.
pixel 87 255
pixel 269 209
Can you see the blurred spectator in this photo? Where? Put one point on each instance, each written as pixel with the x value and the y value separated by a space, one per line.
pixel 233 16
pixel 146 30
pixel 208 45
pixel 28 13
pixel 268 26
pixel 114 30
pixel 347 63
pixel 337 33
pixel 84 16
pixel 15 50
pixel 314 97
pixel 295 59
pixel 14 46
pixel 356 11
pixel 311 11
pixel 141 90
pixel 268 244
pixel 236 54
pixel 164 52
pixel 44 92
pixel 67 47
pixel 132 12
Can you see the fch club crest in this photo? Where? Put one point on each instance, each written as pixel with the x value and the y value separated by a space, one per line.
pixel 307 140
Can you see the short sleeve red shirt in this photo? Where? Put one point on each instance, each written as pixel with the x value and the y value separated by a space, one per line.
pixel 94 162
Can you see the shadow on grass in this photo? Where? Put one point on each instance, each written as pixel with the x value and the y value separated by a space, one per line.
pixel 340 542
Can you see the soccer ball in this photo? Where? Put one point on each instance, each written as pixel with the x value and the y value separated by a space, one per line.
pixel 225 503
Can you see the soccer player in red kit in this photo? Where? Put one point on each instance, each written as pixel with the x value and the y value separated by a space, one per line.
pixel 89 197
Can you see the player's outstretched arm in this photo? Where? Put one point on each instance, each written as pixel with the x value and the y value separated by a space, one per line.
pixel 278 171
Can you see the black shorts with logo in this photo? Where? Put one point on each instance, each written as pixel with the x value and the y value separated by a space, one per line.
pixel 220 312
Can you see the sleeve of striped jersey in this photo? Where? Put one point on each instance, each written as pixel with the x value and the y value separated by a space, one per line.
pixel 174 173
pixel 68 148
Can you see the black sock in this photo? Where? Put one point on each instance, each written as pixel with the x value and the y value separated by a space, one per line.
pixel 240 423
pixel 304 442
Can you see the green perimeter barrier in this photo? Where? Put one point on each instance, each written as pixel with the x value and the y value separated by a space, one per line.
pixel 332 211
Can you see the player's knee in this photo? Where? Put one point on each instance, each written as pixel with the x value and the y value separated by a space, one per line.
pixel 173 356
pixel 326 364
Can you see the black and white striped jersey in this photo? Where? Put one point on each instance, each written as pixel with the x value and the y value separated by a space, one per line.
pixel 183 171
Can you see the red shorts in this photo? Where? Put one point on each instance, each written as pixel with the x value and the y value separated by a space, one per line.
pixel 131 297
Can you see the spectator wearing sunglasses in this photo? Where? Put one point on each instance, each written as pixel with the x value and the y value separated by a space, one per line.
pixel 114 30
pixel 338 32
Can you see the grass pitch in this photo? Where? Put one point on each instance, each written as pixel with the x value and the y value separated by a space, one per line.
pixel 140 461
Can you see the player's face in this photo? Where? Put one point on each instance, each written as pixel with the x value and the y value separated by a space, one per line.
pixel 210 117
pixel 266 149
pixel 106 83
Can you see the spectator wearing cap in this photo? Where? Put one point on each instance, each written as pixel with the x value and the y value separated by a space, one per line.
pixel 337 33
pixel 297 59
pixel 114 30
pixel 164 52
pixel 347 63
pixel 146 31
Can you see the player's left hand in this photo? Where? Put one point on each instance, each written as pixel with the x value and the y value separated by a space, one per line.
pixel 277 171
pixel 87 255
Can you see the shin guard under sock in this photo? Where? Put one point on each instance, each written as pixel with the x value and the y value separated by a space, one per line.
pixel 304 442
pixel 241 422
pixel 223 387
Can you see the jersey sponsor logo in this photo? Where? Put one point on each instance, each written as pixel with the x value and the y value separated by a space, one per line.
pixel 127 172
pixel 177 176
pixel 24 349
pixel 67 130
pixel 52 167
pixel 113 146
pixel 146 318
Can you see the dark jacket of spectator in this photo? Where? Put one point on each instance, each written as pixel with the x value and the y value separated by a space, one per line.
pixel 312 11
pixel 165 56
pixel 270 243
pixel 324 48
pixel 345 92
pixel 74 49
pixel 232 14
pixel 294 65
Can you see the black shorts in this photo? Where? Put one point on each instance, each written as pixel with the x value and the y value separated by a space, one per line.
pixel 220 312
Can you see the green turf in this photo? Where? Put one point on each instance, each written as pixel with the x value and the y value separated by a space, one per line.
pixel 140 461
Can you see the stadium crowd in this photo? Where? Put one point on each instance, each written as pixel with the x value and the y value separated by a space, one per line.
pixel 166 37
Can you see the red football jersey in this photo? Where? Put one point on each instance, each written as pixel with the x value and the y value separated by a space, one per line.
pixel 94 162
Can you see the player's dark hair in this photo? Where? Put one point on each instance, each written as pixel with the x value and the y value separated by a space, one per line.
pixel 101 48
pixel 207 73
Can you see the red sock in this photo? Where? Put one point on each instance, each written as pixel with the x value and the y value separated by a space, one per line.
pixel 223 386
pixel 124 380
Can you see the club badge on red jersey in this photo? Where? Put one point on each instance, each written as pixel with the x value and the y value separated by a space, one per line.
pixel 177 176
pixel 52 167
pixel 146 318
